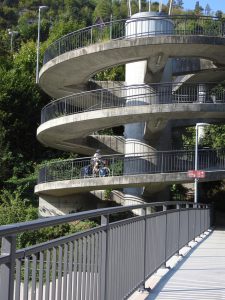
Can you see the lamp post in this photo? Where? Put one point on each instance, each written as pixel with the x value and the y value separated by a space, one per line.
pixel 38 40
pixel 196 157
pixel 149 5
pixel 139 5
pixel 12 33
pixel 170 7
pixel 160 6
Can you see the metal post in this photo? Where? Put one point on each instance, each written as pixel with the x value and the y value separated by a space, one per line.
pixel 162 165
pixel 149 5
pixel 188 207
pixel 38 45
pixel 110 27
pixel 102 99
pixel 72 171
pixel 196 158
pixel 38 41
pixel 7 270
pixel 91 35
pixel 112 165
pixel 170 7
pixel 160 6
pixel 104 258
pixel 178 240
pixel 165 209
pixel 196 164
pixel 12 33
pixel 144 214
pixel 11 42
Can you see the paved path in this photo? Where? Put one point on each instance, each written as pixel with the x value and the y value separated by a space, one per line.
pixel 200 275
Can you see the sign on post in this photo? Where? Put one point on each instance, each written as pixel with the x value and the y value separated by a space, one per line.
pixel 196 174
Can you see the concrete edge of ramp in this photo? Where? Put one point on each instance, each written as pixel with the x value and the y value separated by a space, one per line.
pixel 156 281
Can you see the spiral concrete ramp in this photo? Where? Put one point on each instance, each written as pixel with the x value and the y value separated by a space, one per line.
pixel 166 91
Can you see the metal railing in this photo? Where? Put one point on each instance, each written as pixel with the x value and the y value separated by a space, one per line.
pixel 132 164
pixel 133 95
pixel 132 28
pixel 107 262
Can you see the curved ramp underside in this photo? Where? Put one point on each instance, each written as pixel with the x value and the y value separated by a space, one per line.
pixel 68 187
pixel 71 71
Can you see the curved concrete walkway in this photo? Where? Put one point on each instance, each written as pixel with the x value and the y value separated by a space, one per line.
pixel 200 275
pixel 60 132
pixel 58 77
pixel 73 186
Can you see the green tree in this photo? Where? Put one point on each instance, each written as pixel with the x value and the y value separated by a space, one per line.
pixel 198 9
pixel 179 4
pixel 20 105
pixel 208 10
pixel 219 14
pixel 103 10
pixel 14 209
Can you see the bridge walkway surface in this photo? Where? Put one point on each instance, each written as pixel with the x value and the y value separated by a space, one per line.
pixel 199 275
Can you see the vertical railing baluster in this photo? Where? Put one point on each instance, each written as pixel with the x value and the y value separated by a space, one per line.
pixel 165 210
pixel 47 274
pixel 144 214
pixel 91 35
pixel 65 266
pixel 18 279
pixel 34 270
pixel 7 270
pixel 59 261
pixel 162 162
pixel 178 239
pixel 104 258
pixel 26 279
pixel 65 107
pixel 41 268
pixel 72 170
pixel 59 48
pixel 53 274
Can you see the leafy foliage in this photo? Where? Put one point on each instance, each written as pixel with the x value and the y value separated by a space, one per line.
pixel 14 209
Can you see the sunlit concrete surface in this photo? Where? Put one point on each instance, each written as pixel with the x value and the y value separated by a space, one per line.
pixel 60 132
pixel 73 186
pixel 199 275
pixel 58 77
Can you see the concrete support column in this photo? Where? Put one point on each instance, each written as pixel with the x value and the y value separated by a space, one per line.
pixel 135 133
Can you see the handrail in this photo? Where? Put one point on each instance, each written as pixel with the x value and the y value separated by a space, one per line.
pixel 57 220
pixel 88 261
pixel 133 164
pixel 133 95
pixel 177 25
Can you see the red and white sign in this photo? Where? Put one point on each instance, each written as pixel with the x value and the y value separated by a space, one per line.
pixel 196 174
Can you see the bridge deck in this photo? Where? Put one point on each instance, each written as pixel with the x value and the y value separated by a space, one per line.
pixel 200 275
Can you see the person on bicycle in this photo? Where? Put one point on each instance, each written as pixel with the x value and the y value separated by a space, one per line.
pixel 96 161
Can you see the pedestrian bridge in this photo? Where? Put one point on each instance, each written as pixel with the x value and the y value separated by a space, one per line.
pixel 116 258
pixel 199 275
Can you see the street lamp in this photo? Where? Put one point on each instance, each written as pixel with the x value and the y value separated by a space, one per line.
pixel 196 157
pixel 170 7
pixel 12 33
pixel 139 4
pixel 38 40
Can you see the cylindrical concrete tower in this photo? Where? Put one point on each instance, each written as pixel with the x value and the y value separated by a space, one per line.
pixel 138 139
